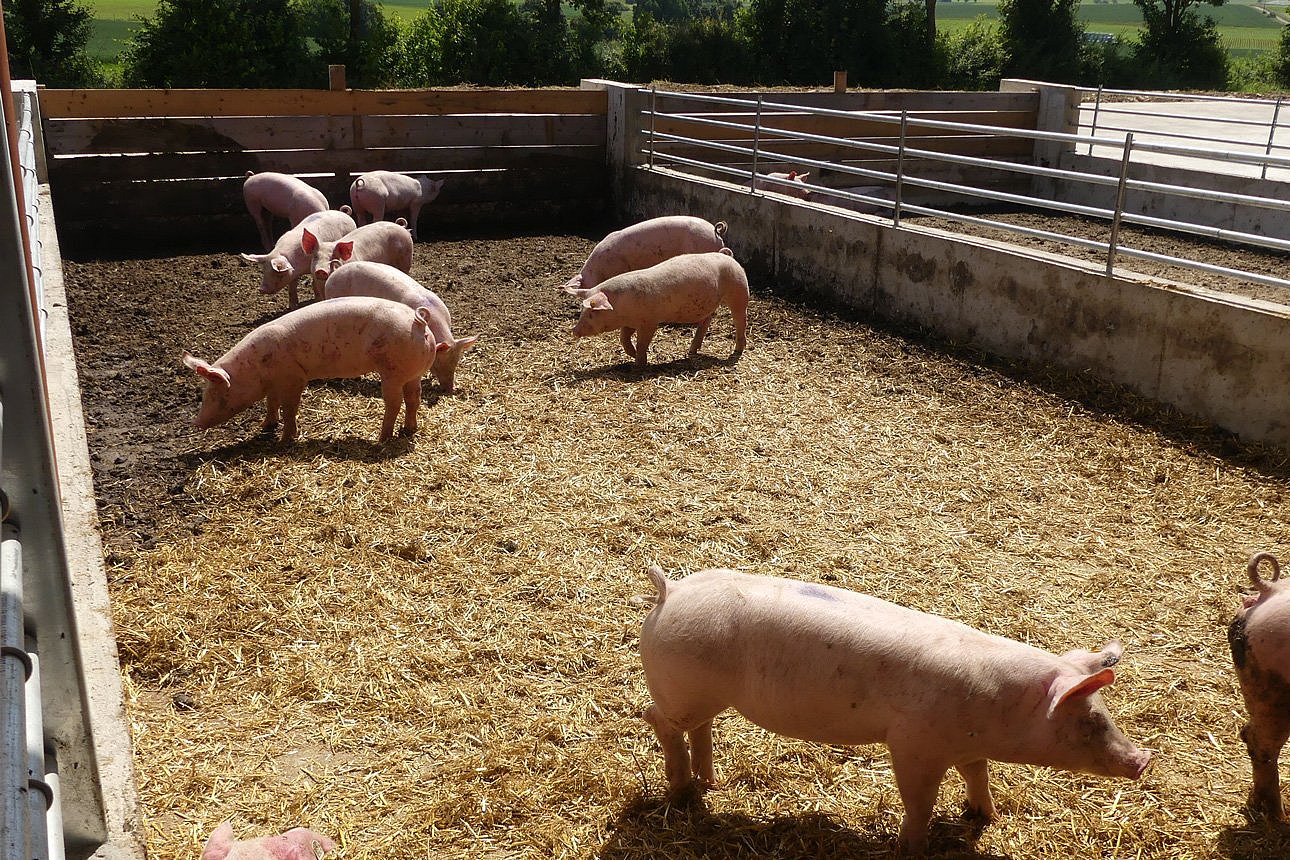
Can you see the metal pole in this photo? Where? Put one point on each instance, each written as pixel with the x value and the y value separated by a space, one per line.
pixel 756 144
pixel 15 669
pixel 900 168
pixel 653 114
pixel 1119 204
pixel 39 795
pixel 1097 106
pixel 1272 133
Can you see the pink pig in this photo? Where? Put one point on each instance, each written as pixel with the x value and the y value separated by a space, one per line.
pixel 823 664
pixel 288 262
pixel 281 195
pixel 686 289
pixel 644 244
pixel 298 843
pixel 1260 640
pixel 791 184
pixel 379 191
pixel 364 278
pixel 381 242
pixel 324 340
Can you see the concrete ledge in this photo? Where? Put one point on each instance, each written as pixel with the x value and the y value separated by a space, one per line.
pixel 1219 357
pixel 84 547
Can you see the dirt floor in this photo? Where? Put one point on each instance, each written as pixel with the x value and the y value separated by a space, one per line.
pixel 429 648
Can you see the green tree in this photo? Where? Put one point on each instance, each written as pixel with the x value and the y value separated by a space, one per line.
pixel 221 43
pixel 467 41
pixel 355 33
pixel 47 40
pixel 971 59
pixel 1041 39
pixel 1281 59
pixel 1178 47
pixel 666 11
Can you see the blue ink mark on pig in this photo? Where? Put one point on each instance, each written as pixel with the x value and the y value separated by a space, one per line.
pixel 809 590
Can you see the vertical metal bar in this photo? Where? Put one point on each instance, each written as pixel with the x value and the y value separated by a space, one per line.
pixel 1272 133
pixel 54 818
pixel 653 114
pixel 1097 106
pixel 900 168
pixel 15 667
pixel 37 799
pixel 756 144
pixel 1119 204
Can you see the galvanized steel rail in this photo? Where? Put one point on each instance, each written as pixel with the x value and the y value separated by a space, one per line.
pixel 760 150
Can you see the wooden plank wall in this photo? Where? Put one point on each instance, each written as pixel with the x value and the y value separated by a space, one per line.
pixel 165 167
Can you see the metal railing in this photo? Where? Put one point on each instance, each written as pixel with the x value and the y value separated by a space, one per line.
pixel 1121 110
pixel 757 143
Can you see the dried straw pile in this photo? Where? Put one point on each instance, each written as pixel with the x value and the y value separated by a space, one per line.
pixel 429 649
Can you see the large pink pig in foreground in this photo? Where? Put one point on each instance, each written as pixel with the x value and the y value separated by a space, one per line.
pixel 386 242
pixel 298 843
pixel 823 664
pixel 376 279
pixel 324 340
pixel 687 289
pixel 281 195
pixel 288 262
pixel 643 245
pixel 1260 640
pixel 378 192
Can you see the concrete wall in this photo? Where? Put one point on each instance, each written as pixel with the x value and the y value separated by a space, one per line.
pixel 1215 356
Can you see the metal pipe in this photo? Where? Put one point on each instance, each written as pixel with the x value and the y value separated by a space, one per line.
pixel 653 115
pixel 1272 133
pixel 54 818
pixel 1157 115
pixel 756 145
pixel 1097 106
pixel 900 169
pixel 39 796
pixel 15 668
pixel 1164 96
pixel 1119 203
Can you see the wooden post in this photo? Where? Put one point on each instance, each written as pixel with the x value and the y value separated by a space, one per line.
pixel 840 81
pixel 336 77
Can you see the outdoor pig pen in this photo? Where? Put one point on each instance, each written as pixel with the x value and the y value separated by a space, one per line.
pixel 428 648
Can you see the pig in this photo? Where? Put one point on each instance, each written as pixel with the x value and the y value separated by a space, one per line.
pixel 366 278
pixel 298 843
pixel 685 289
pixel 381 242
pixel 325 340
pixel 1260 640
pixel 380 191
pixel 282 195
pixel 791 184
pixel 824 664
pixel 644 244
pixel 287 262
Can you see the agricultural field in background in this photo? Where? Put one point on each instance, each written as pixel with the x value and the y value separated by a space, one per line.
pixel 1244 26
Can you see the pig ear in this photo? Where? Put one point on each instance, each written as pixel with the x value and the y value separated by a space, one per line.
pixel 597 302
pixel 1091 661
pixel 280 264
pixel 802 177
pixel 254 258
pixel 220 843
pixel 309 242
pixel 344 250
pixel 466 343
pixel 792 174
pixel 1069 687
pixel 208 372
pixel 442 347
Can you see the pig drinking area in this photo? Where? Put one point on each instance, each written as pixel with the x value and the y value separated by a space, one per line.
pixel 429 647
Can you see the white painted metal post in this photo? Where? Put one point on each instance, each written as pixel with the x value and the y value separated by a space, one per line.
pixel 756 145
pixel 15 669
pixel 653 114
pixel 900 168
pixel 1119 204
pixel 1097 106
pixel 1272 133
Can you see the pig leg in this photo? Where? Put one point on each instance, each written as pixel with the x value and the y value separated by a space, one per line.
pixel 739 315
pixel 414 212
pixel 918 781
pixel 292 294
pixel 644 335
pixel 676 755
pixel 1264 737
pixel 290 406
pixel 625 334
pixel 976 775
pixel 272 408
pixel 392 394
pixel 699 334
pixel 412 402
pixel 701 755
pixel 258 215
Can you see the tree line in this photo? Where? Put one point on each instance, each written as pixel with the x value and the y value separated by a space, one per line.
pixel 880 43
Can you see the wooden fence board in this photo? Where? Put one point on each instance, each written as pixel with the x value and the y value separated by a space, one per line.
pixel 234 134
pixel 55 104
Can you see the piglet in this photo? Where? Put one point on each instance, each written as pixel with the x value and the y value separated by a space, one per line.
pixel 381 242
pixel 288 262
pixel 686 289
pixel 644 244
pixel 298 843
pixel 377 192
pixel 791 184
pixel 1260 640
pixel 282 195
pixel 365 278
pixel 824 664
pixel 324 340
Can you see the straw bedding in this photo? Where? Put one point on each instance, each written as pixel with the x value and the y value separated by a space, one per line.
pixel 429 648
